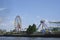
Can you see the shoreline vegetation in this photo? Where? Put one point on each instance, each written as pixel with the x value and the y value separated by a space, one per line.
pixel 24 34
pixel 30 35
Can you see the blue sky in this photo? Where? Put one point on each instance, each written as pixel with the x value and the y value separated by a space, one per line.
pixel 30 11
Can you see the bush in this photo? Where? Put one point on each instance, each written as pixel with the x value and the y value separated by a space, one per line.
pixel 31 29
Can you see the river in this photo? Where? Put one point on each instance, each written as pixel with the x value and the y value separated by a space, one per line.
pixel 27 38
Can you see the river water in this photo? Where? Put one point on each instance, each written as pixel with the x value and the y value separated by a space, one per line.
pixel 27 38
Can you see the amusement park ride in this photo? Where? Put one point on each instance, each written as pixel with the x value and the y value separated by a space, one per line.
pixel 18 25
pixel 44 26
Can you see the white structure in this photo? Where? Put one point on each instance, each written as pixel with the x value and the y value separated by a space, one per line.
pixel 42 25
pixel 48 25
pixel 54 23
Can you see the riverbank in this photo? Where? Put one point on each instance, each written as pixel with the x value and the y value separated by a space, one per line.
pixel 35 34
pixel 18 35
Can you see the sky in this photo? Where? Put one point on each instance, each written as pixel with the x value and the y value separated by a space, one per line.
pixel 30 11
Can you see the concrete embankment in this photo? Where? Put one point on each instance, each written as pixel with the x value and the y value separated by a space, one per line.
pixel 31 35
pixel 37 34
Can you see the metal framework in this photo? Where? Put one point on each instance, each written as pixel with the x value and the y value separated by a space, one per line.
pixel 18 23
pixel 42 24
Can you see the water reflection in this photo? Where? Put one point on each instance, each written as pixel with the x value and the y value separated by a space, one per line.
pixel 27 38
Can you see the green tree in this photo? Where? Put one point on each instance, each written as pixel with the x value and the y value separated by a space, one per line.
pixel 31 29
pixel 55 29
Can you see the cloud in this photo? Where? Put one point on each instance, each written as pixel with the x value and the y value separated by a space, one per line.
pixel 37 16
pixel 1 9
pixel 1 20
pixel 12 22
pixel 7 25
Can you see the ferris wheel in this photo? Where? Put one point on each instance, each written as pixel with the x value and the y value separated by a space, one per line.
pixel 18 23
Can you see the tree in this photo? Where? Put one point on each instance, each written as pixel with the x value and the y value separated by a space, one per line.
pixel 55 29
pixel 31 29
